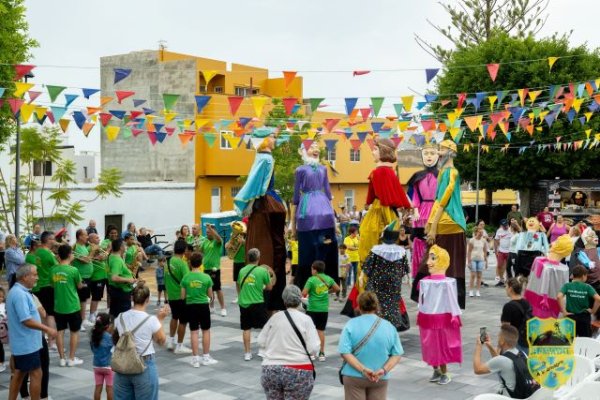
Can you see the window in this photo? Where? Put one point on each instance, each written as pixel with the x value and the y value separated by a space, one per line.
pixel 85 172
pixel 354 155
pixel 235 190
pixel 224 142
pixel 245 91
pixel 202 88
pixel 331 155
pixel 42 168
pixel 218 89
pixel 349 198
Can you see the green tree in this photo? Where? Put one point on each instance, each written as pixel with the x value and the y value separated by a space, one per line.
pixel 513 169
pixel 473 22
pixel 15 47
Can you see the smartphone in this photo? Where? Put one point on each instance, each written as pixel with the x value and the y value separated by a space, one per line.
pixel 482 334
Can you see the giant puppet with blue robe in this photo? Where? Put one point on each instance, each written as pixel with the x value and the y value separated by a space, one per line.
pixel 266 214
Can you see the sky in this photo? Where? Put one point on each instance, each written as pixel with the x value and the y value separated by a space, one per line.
pixel 309 35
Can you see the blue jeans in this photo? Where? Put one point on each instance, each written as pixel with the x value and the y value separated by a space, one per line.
pixel 351 277
pixel 154 249
pixel 344 228
pixel 142 386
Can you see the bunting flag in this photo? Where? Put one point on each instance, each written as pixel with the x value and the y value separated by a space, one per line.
pixel 123 94
pixel 200 122
pixel 314 103
pixel 170 100
pixel 70 98
pixel 40 114
pixel 234 103
pixel 112 132
pixel 289 103
pixel 104 100
pixel 493 70
pixel 58 112
pixel 551 61
pixel 120 74
pixel 407 102
pixel 208 75
pixel 21 88
pixel 362 136
pixel 330 123
pixel 160 136
pixel 87 128
pixel 360 72
pixel 87 93
pixel 64 124
pixel 330 144
pixel 492 100
pixel 258 103
pixel 355 144
pixel 170 130
pixel 138 102
pixel 136 131
pixel 350 104
pixel 15 106
pixel 22 69
pixel 377 102
pixel 79 118
pixel 288 78
pixel 2 90
pixel 376 126
pixel 430 73
pixel 120 114
pixel 152 137
pixel 126 132
pixel 185 138
pixel 105 118
pixel 365 113
pixel 26 112
pixel 54 91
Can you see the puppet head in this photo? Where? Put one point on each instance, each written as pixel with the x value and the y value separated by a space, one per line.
pixel 268 144
pixel 384 151
pixel 447 151
pixel 312 155
pixel 561 247
pixel 590 238
pixel 429 154
pixel 532 225
pixel 438 261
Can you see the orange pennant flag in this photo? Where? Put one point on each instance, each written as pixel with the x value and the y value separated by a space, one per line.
pixel 104 100
pixel 522 94
pixel 185 139
pixel 64 124
pixel 87 127
pixel 93 110
pixel 288 78
pixel 473 122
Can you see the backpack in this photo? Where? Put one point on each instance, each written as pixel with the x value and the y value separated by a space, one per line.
pixel 527 315
pixel 125 358
pixel 525 385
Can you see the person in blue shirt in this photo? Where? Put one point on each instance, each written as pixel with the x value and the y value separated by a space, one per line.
pixel 101 343
pixel 365 371
pixel 25 332
pixel 35 235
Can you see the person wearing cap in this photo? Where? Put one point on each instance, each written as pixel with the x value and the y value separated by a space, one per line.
pixel 446 224
pixel 266 211
pixel 502 249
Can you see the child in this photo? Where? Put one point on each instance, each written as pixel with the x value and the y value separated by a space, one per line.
pixel 196 289
pixel 101 344
pixel 160 278
pixel 578 295
pixel 317 288
pixel 294 251
pixel 343 268
pixel 4 324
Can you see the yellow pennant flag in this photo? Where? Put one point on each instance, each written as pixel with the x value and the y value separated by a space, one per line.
pixel 543 115
pixel 402 125
pixel 233 140
pixel 169 116
pixel 551 61
pixel 407 102
pixel 492 100
pixel 454 132
pixel 467 147
pixel 597 136
pixel 534 95
pixel 149 119
pixel 303 136
pixel 258 102
pixel 458 112
pixel 26 112
pixel 577 104
pixel 21 88
pixel 485 148
pixel 588 115
pixel 94 118
pixel 186 124
pixel 451 117
pixel 208 75
pixel 474 122
pixel 64 124
pixel 588 132
pixel 521 96
pixel 200 122
pixel 312 133
pixel 503 126
pixel 40 112
pixel 112 131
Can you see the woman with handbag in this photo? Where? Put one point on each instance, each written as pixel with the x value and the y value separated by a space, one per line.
pixel 287 341
pixel 370 347
pixel 145 329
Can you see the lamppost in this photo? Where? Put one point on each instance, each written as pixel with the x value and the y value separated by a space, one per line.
pixel 18 168
pixel 477 184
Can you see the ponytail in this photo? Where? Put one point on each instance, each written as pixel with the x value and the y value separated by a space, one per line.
pixel 103 321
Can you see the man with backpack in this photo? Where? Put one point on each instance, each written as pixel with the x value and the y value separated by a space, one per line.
pixel 508 362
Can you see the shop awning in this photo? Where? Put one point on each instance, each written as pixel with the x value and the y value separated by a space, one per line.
pixel 499 197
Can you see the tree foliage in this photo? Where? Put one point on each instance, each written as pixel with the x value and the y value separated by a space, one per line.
pixel 15 46
pixel 473 22
pixel 513 170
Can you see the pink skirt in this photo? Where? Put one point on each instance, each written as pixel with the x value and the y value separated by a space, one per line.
pixel 418 252
pixel 439 345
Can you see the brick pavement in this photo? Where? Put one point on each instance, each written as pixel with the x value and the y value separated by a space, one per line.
pixel 232 378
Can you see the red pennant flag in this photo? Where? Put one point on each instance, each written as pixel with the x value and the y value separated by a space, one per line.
pixel 493 70
pixel 289 103
pixel 170 130
pixel 371 143
pixel 15 105
pixel 360 72
pixel 355 144
pixel 123 94
pixel 50 116
pixel 105 118
pixel 234 103
pixel 152 137
pixel 135 113
pixel 330 123
pixel 288 77
pixel 307 143
pixel 21 70
pixel 444 102
pixel 33 95
pixel 461 99
pixel 396 141
pixel 365 112
pixel 136 131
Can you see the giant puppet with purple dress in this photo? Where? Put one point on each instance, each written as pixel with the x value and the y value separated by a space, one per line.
pixel 266 223
pixel 314 219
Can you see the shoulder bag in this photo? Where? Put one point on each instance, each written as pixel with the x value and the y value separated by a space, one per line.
pixel 289 317
pixel 359 346
pixel 125 358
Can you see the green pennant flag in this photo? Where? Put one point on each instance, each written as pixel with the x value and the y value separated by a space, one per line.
pixel 314 103
pixel 180 125
pixel 536 111
pixel 54 91
pixel 377 102
pixel 126 132
pixel 210 138
pixel 398 108
pixel 170 100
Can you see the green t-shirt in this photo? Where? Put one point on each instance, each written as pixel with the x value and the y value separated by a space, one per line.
pixel 195 241
pixel 130 255
pixel 318 292
pixel 212 251
pixel 240 256
pixel 32 258
pixel 47 261
pixel 106 246
pixel 579 296
pixel 117 267
pixel 251 292
pixel 175 270
pixel 99 270
pixel 196 285
pixel 85 269
pixel 65 279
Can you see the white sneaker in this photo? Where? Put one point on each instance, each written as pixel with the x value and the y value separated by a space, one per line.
pixel 261 354
pixel 53 349
pixel 223 312
pixel 87 324
pixel 181 349
pixel 247 356
pixel 75 361
pixel 477 294
pixel 2 367
pixel 63 362
pixel 234 301
pixel 82 328
pixel 208 360
pixel 195 362
pixel 470 293
pixel 212 310
pixel 170 344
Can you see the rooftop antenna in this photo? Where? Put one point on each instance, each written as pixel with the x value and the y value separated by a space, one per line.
pixel 162 45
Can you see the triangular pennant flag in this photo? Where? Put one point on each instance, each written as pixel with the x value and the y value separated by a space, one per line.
pixel 461 99
pixel 136 131
pixel 350 104
pixel 551 61
pixel 330 144
pixel 234 103
pixel 22 69
pixel 27 112
pixel 58 112
pixel 492 100
pixel 152 137
pixel 362 136
pixel 473 122
pixel 64 124
pixel 79 118
pixel 104 100
pixel 87 93
pixel 2 90
pixel 50 116
pixel 15 105
pixel 522 93
pixel 377 102
pixel 87 128
pixel 314 103
pixel 371 143
pixel 170 100
pixel 148 111
pixel 158 127
pixel 407 102
pixel 112 132
pixel 533 95
pixel 428 124
pixel 288 104
pixel 160 136
pixel 360 72
pixel 200 122
pixel 70 98
pixel 134 114
pixel 330 123
pixel 430 73
pixel 40 113
pixel 105 118
pixel 431 97
pixel 120 74
pixel 355 144
pixel 258 103
pixel 169 116
pixel 118 113
pixel 123 94
pixel 244 121
pixel 21 88
pixel 208 75
pixel 365 113
pixel 185 138
pixel 398 109
pixel 348 133
pixel 170 130
pixel 288 77
pixel 501 94
pixel 493 70
pixel 126 132
pixel 138 102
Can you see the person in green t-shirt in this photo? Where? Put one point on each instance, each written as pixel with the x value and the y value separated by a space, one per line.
pixel 97 283
pixel 174 272
pixel 31 256
pixel 83 262
pixel 253 280
pixel 212 250
pixel 196 289
pixel 574 299
pixel 196 239
pixel 44 288
pixel 318 287
pixel 133 255
pixel 67 280
pixel 120 280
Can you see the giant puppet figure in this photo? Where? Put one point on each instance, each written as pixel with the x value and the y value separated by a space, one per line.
pixel 314 220
pixel 266 211
pixel 446 225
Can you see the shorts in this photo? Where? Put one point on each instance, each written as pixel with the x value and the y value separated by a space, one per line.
pixel 477 265
pixel 501 258
pixel 215 275
pixel 46 297
pixel 85 292
pixel 237 267
pixel 161 288
pixel 120 301
pixel 72 321
pixel 294 269
pixel 97 289
pixel 103 376
pixel 28 362
pixel 178 310
pixel 253 316
pixel 319 319
pixel 198 315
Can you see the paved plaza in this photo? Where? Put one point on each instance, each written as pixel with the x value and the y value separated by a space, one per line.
pixel 232 378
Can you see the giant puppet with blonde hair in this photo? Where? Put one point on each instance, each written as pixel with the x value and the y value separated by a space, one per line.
pixel 547 276
pixel 266 213
pixel 313 222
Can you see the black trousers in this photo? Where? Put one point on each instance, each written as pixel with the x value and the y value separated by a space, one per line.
pixel 45 356
pixel 120 301
pixel 583 323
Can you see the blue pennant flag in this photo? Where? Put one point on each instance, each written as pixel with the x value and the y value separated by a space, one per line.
pixel 89 92
pixel 79 118
pixel 350 104
pixel 594 87
pixel 376 126
pixel 330 144
pixel 431 97
pixel 479 96
pixel 348 133
pixel 121 73
pixel 69 98
pixel 58 112
pixel 550 119
pixel 158 127
pixel 160 136
pixel 580 89
pixel 571 115
pixel 141 123
pixel 514 97
pixel 201 102
pixel 295 108
pixel 517 113
pixel 582 120
pixel 138 102
pixel 362 136
pixel 421 104
pixel 430 73
pixel 244 121
pixel 120 114
pixel 148 111
pixel 593 107
pixel 508 136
